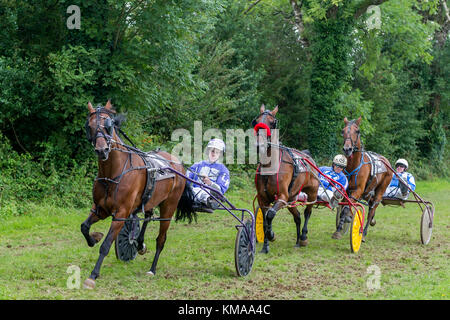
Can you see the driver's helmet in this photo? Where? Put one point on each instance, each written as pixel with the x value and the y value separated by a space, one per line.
pixel 340 161
pixel 401 162
pixel 217 144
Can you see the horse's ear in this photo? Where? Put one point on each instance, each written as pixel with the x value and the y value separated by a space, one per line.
pixel 108 105
pixel 263 108
pixel 91 109
pixel 358 121
pixel 345 120
pixel 274 111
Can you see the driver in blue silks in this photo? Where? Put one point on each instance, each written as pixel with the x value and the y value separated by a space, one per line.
pixel 326 191
pixel 396 188
pixel 211 172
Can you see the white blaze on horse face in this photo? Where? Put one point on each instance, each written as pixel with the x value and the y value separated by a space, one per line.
pixel 347 145
pixel 101 145
pixel 348 140
pixel 261 139
pixel 269 156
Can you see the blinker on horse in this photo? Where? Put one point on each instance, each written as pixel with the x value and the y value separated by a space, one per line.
pixel 120 185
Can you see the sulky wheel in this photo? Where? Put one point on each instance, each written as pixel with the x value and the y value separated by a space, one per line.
pixel 356 231
pixel 426 224
pixel 126 244
pixel 259 225
pixel 244 254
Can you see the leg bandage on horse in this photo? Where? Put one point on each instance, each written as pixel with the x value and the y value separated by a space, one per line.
pixel 374 204
pixel 270 214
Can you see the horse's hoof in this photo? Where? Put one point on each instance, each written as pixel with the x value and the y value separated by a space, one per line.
pixel 373 222
pixel 150 274
pixel 303 243
pixel 363 239
pixel 89 283
pixel 337 235
pixel 143 250
pixel 97 236
pixel 264 250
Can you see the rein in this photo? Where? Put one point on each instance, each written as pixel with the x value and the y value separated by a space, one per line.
pixel 355 171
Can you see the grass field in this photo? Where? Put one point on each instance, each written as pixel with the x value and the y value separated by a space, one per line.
pixel 38 247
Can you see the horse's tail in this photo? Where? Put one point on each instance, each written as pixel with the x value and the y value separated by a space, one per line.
pixel 185 208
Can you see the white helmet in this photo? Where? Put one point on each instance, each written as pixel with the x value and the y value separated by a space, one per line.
pixel 340 160
pixel 403 162
pixel 217 144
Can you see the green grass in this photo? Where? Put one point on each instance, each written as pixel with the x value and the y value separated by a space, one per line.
pixel 38 246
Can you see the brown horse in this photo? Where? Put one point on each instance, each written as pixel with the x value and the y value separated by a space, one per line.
pixel 363 182
pixel 119 186
pixel 278 179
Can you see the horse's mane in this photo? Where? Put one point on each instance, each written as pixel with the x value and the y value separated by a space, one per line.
pixel 119 119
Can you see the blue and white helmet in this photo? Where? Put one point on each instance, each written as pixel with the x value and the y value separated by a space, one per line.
pixel 217 144
pixel 340 160
pixel 402 162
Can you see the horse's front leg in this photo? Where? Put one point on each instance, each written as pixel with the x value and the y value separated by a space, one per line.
pixel 346 215
pixel 167 209
pixel 304 238
pixel 297 219
pixel 372 207
pixel 142 249
pixel 265 248
pixel 94 237
pixel 269 235
pixel 114 230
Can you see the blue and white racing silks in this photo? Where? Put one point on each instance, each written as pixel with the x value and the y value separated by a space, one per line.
pixel 393 191
pixel 329 172
pixel 216 172
pixel 407 177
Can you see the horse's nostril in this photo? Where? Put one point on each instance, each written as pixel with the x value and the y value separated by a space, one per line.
pixel 102 153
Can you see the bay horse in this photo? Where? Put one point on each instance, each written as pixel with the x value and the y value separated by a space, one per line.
pixel 119 187
pixel 363 182
pixel 277 180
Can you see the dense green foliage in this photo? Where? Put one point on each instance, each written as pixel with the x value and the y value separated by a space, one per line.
pixel 168 63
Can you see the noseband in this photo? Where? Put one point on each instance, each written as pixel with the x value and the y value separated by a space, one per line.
pixel 262 125
pixel 99 132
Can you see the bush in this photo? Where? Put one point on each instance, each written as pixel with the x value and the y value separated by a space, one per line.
pixel 23 180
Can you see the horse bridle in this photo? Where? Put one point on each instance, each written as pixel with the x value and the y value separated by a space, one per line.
pixel 264 115
pixel 354 146
pixel 99 132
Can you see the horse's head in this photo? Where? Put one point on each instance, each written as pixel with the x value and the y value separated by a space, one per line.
pixel 352 138
pixel 100 129
pixel 266 121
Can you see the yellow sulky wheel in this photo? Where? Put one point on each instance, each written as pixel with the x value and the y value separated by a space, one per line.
pixel 259 225
pixel 356 231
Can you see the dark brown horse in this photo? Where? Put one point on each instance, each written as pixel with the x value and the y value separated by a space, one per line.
pixel 277 181
pixel 119 187
pixel 363 182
